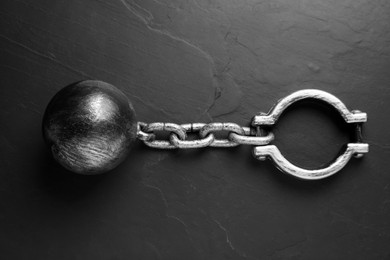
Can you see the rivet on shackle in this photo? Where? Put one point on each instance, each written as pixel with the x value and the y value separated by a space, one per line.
pixel 90 127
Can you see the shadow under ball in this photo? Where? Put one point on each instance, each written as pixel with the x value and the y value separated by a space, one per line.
pixel 89 126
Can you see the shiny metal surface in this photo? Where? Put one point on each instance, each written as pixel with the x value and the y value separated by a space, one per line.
pixel 167 127
pixel 178 138
pixel 89 126
pixel 219 127
pixel 251 140
pixel 285 166
pixel 272 116
pixel 356 149
pixel 256 136
pixel 188 144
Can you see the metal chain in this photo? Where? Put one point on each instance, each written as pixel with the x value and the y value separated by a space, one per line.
pixel 206 132
pixel 255 135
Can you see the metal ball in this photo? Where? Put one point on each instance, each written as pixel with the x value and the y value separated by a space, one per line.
pixel 90 127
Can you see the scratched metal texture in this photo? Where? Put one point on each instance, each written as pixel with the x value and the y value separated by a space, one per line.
pixel 198 61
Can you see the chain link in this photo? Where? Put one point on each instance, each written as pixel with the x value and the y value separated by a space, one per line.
pixel 220 127
pixel 206 135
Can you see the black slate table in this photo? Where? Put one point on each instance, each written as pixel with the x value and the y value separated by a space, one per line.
pixel 198 61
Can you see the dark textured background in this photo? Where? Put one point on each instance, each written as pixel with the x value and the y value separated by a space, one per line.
pixel 197 61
